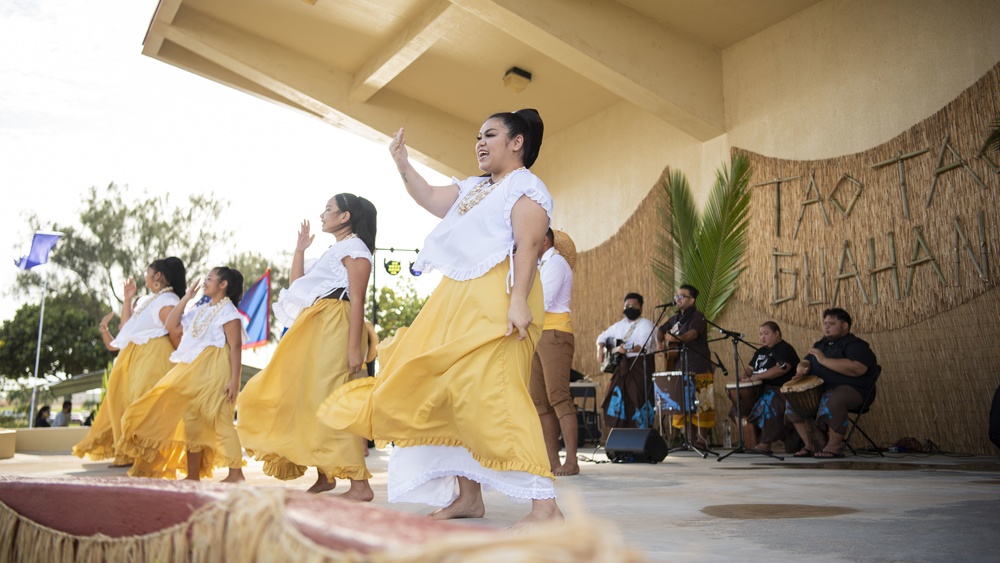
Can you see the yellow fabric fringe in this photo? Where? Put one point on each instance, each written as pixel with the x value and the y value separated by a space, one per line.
pixel 251 525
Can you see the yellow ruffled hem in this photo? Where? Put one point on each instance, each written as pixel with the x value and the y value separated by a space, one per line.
pixel 154 452
pixel 284 469
pixel 96 452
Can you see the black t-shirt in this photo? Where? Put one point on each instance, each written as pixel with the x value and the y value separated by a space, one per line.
pixel 852 348
pixel 698 357
pixel 766 358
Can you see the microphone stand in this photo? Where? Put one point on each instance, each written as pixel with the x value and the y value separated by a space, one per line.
pixel 690 393
pixel 736 338
pixel 646 382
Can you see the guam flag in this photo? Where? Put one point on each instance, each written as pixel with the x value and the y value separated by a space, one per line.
pixel 256 307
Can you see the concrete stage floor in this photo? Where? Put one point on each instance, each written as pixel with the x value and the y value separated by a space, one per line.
pixel 907 507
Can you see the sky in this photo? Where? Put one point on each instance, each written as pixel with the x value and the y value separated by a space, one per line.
pixel 80 106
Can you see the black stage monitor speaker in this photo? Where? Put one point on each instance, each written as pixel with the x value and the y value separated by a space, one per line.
pixel 643 445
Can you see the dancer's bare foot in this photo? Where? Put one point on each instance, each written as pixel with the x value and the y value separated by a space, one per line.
pixel 360 491
pixel 570 467
pixel 235 476
pixel 461 508
pixel 322 484
pixel 545 510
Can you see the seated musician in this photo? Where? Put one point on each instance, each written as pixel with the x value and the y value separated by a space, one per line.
pixel 772 364
pixel 846 364
pixel 689 327
pixel 628 402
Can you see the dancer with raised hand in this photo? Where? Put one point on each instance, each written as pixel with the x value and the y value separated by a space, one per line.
pixel 145 348
pixel 185 422
pixel 453 393
pixel 323 349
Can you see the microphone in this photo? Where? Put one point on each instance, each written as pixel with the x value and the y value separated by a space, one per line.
pixel 731 333
pixel 725 372
pixel 665 305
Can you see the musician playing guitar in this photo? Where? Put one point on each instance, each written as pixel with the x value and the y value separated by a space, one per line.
pixel 628 402
pixel 690 328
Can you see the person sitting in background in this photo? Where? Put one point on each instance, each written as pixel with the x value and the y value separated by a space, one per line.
pixel 846 364
pixel 771 364
pixel 42 418
pixel 63 416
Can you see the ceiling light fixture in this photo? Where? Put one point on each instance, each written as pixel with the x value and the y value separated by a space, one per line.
pixel 516 79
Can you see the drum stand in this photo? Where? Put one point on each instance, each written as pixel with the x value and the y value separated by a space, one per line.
pixel 735 337
pixel 689 391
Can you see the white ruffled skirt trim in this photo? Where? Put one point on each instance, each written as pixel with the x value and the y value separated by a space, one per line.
pixel 428 475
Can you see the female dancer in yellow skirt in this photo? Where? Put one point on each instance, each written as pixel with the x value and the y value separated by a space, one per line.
pixel 145 355
pixel 185 422
pixel 323 349
pixel 453 394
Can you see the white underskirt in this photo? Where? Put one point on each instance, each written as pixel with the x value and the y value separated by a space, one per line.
pixel 428 475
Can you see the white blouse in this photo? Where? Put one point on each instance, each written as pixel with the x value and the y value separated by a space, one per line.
pixel 192 346
pixel 146 325
pixel 464 247
pixel 320 278
pixel 557 281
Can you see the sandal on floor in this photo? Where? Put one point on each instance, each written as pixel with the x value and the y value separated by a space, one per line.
pixel 759 451
pixel 804 452
pixel 823 454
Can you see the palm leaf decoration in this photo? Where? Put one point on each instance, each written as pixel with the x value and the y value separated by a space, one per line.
pixel 707 249
pixel 992 143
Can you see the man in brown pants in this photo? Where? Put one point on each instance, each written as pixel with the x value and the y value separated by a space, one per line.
pixel 549 385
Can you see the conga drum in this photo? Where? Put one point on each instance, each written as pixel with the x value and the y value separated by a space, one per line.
pixel 749 393
pixel 803 395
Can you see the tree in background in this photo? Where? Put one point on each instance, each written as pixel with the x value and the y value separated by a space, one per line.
pixel 397 307
pixel 71 341
pixel 118 236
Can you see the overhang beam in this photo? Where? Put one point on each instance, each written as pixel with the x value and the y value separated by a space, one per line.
pixel 406 47
pixel 652 67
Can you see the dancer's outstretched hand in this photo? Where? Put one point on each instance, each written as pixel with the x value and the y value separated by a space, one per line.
pixel 397 148
pixel 304 238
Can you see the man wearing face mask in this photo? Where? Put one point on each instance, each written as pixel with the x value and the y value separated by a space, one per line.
pixel 689 327
pixel 628 402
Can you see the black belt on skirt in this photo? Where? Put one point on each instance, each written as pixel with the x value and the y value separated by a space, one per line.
pixel 339 293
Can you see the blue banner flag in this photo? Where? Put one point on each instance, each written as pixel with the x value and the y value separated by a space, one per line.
pixel 41 244
pixel 256 307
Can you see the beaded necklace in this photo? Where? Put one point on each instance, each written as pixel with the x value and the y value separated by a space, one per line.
pixel 146 303
pixel 480 191
pixel 201 322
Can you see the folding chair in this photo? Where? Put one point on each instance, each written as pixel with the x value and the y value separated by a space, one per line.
pixel 865 406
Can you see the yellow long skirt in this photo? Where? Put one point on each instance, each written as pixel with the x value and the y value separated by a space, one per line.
pixel 185 411
pixel 454 379
pixel 277 408
pixel 136 370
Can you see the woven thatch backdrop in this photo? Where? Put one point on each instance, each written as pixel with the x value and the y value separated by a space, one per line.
pixel 937 344
pixel 603 276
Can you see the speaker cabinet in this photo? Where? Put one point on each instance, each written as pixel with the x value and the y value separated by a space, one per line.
pixel 641 445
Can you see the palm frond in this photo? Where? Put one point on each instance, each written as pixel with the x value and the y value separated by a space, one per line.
pixel 663 250
pixel 722 240
pixel 992 143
